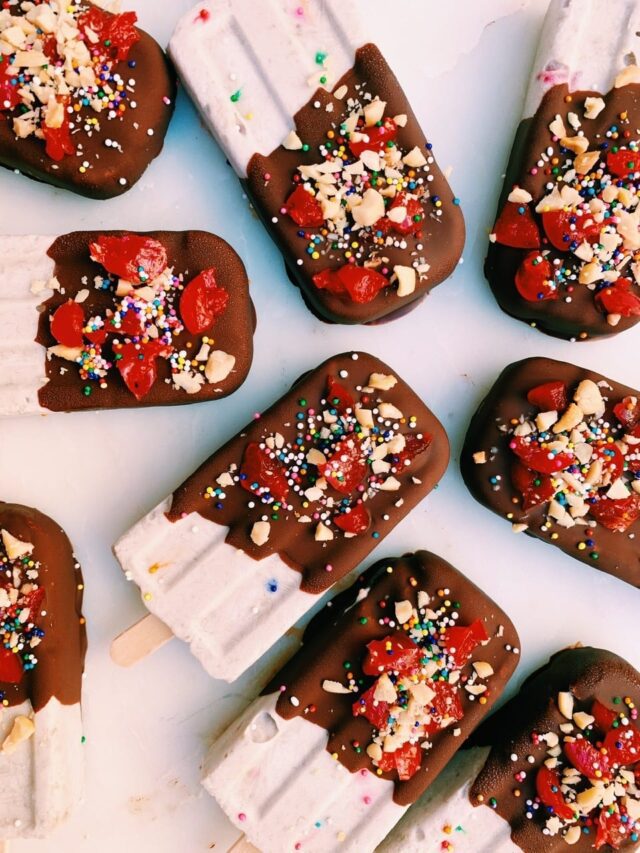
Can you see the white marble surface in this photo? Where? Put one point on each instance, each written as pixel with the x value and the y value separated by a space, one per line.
pixel 147 729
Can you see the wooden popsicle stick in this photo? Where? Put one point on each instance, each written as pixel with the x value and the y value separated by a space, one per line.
pixel 139 641
pixel 241 846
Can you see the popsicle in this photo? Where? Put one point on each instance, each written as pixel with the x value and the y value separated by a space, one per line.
pixel 563 249
pixel 327 147
pixel 282 512
pixel 555 449
pixel 85 96
pixel 554 769
pixel 115 319
pixel 390 682
pixel 41 664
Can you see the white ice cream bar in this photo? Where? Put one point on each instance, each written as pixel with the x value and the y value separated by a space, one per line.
pixel 445 814
pixel 255 773
pixel 173 562
pixel 41 777
pixel 585 44
pixel 23 261
pixel 249 73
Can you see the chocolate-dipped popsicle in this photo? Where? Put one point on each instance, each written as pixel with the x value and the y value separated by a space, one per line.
pixel 284 510
pixel 555 449
pixel 564 248
pixel 554 769
pixel 85 96
pixel 323 138
pixel 41 664
pixel 114 319
pixel 390 682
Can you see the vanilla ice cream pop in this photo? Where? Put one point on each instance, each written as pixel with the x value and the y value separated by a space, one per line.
pixel 390 682
pixel 327 147
pixel 563 249
pixel 282 512
pixel 554 769
pixel 113 319
pixel 41 664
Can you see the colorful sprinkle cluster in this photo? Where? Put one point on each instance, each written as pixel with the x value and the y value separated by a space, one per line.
pixel 587 785
pixel 58 78
pixel 585 231
pixel 346 450
pixel 21 599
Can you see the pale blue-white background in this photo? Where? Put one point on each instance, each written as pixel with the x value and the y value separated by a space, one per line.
pixel 147 728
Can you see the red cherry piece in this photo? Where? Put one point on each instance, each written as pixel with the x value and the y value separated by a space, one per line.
pixel 566 229
pixel 627 411
pixel 202 302
pixel 346 469
pixel 355 522
pixel 116 33
pixel 587 759
pixel 406 760
pixel 612 831
pixel 549 397
pixel 50 49
pixel 413 221
pixel 11 671
pixel 58 141
pixel 623 162
pixel 263 472
pixel 413 447
pixel 612 460
pixel 534 279
pixel 618 298
pixel 329 280
pixel 378 137
pixel 516 227
pixel 304 209
pixel 376 711
pixel 338 396
pixel 9 97
pixel 548 788
pixel 446 703
pixel 67 323
pixel 617 515
pixel 534 487
pixel 138 367
pixel 604 717
pixel 360 284
pixel 460 641
pixel 395 653
pixel 537 458
pixel 132 257
pixel 97 337
pixel 130 324
pixel 623 745
pixel 33 602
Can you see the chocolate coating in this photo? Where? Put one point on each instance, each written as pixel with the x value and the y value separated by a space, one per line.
pixel 61 653
pixel 442 237
pixel 588 674
pixel 618 553
pixel 580 318
pixel 140 134
pixel 189 253
pixel 294 541
pixel 339 635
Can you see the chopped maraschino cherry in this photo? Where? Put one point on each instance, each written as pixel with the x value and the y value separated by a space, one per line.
pixel 406 760
pixel 132 257
pixel 9 97
pixel 534 487
pixel 338 396
pixel 202 302
pixel 534 279
pixel 67 324
pixel 536 457
pixel 565 229
pixel 462 640
pixel 11 671
pixel 138 366
pixel 376 138
pixel 549 397
pixel 304 209
pixel 516 227
pixel 116 34
pixel 623 162
pixel 261 471
pixel 548 787
pixel 619 299
pixel 617 515
pixel 360 284
pixel 628 412
pixel 395 653
pixel 58 141
pixel 346 468
pixel 356 521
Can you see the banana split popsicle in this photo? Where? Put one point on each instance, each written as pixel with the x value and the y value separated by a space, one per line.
pixel 390 682
pixel 41 664
pixel 328 149
pixel 96 320
pixel 85 96
pixel 564 250
pixel 555 449
pixel 284 510
pixel 556 768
